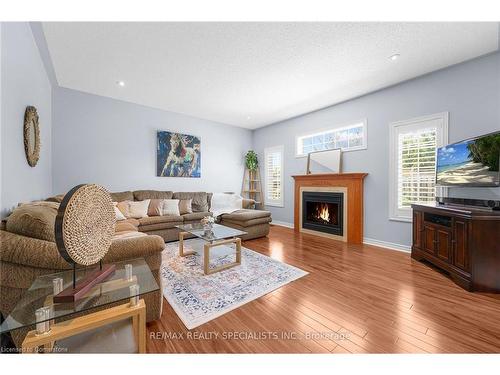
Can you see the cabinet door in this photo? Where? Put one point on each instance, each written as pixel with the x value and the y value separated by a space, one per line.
pixel 429 239
pixel 460 247
pixel 417 229
pixel 443 245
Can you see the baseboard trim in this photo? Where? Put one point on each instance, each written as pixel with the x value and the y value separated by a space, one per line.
pixel 388 245
pixel 366 240
pixel 282 224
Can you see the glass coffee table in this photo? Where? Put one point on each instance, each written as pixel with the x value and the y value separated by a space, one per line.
pixel 59 321
pixel 214 235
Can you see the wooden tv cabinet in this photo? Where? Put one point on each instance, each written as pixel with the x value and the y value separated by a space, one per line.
pixel 463 241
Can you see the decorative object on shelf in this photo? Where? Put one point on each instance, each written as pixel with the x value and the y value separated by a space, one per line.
pixel 326 161
pixel 31 136
pixel 252 188
pixel 177 155
pixel 84 227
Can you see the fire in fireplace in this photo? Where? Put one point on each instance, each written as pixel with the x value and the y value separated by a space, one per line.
pixel 323 212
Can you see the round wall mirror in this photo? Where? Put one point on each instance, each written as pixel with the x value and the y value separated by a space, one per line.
pixel 31 136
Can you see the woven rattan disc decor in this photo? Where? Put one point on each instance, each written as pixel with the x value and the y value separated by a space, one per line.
pixel 85 224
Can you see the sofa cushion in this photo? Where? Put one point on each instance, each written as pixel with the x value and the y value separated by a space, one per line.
pixel 160 219
pixel 185 206
pixel 138 209
pixel 118 214
pixel 142 195
pixel 196 216
pixel 159 226
pixel 34 220
pixel 122 196
pixel 248 223
pixel 124 208
pixel 245 215
pixel 170 207
pixel 128 234
pixel 254 231
pixel 56 198
pixel 199 200
pixel 132 221
pixel 155 206
pixel 124 226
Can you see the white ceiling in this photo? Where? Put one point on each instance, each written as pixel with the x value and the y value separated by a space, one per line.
pixel 254 74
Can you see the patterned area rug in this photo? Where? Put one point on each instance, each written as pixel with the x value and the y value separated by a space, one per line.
pixel 197 298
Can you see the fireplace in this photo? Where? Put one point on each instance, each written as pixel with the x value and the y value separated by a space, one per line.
pixel 350 215
pixel 323 212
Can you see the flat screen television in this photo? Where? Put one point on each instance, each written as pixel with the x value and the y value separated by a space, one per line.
pixel 473 162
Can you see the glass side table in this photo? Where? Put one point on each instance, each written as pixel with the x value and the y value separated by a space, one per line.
pixel 132 279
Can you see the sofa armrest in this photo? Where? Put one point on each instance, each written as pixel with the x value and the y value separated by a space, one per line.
pixel 34 252
pixel 248 203
pixel 29 251
pixel 134 247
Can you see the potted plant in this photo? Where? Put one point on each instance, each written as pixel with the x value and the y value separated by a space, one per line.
pixel 251 162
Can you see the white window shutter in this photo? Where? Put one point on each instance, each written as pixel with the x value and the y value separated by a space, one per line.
pixel 273 166
pixel 416 167
pixel 412 173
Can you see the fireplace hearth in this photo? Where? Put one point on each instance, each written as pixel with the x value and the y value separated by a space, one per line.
pixel 323 212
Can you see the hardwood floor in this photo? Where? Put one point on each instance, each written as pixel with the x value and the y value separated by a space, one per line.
pixel 356 299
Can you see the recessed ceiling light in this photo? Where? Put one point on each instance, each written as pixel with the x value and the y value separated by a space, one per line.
pixel 249 117
pixel 394 57
pixel 120 83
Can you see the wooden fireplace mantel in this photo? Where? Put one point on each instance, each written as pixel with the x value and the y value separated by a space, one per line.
pixel 353 182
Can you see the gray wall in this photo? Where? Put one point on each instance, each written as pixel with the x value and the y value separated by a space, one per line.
pixel 113 143
pixel 24 82
pixel 470 92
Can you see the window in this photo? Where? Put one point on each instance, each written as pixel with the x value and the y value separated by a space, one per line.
pixel 413 162
pixel 273 159
pixel 348 138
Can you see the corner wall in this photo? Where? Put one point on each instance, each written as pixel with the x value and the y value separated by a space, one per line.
pixel 24 82
pixel 470 92
pixel 113 143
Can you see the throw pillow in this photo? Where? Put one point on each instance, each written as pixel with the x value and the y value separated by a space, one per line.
pixel 119 215
pixel 200 200
pixel 33 220
pixel 138 209
pixel 170 207
pixel 124 208
pixel 155 207
pixel 185 206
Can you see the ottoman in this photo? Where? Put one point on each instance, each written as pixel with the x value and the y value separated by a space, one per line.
pixel 254 222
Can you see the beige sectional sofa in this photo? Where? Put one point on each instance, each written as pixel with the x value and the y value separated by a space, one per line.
pixel 254 222
pixel 28 248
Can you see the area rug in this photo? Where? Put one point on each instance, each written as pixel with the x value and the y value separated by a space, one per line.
pixel 198 298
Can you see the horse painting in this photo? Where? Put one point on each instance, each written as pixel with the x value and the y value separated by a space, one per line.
pixel 177 155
